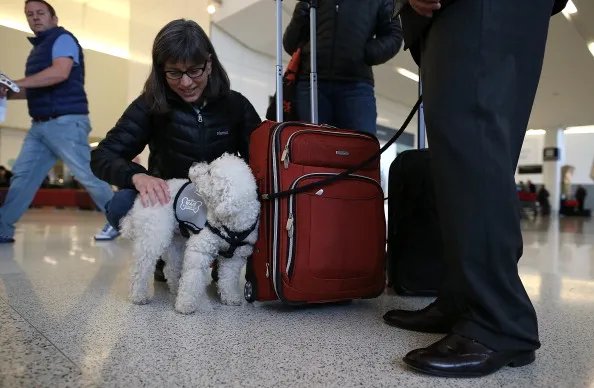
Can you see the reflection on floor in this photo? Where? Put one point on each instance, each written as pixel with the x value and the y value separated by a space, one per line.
pixel 65 321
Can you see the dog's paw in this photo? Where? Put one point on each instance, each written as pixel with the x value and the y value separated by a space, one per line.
pixel 231 299
pixel 140 300
pixel 185 308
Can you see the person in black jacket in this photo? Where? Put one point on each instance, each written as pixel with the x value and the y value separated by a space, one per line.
pixel 187 113
pixel 580 195
pixel 543 200
pixel 352 36
pixel 480 67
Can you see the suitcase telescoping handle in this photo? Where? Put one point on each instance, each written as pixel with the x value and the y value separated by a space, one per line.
pixel 421 121
pixel 279 60
pixel 313 77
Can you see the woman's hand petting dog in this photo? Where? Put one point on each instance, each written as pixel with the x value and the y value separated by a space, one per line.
pixel 152 190
pixel 425 7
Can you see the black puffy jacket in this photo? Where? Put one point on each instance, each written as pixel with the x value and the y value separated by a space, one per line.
pixel 175 139
pixel 352 36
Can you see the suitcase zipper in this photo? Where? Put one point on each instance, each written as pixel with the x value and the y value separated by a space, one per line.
pixel 286 155
pixel 275 141
pixel 290 228
pixel 276 130
pixel 292 211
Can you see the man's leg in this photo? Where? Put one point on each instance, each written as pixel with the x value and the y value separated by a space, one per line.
pixel 480 68
pixel 324 106
pixel 31 167
pixel 355 107
pixel 68 138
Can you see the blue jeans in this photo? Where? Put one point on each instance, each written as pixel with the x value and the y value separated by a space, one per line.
pixel 65 138
pixel 120 206
pixel 346 105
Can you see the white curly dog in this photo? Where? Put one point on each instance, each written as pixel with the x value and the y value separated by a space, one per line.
pixel 228 190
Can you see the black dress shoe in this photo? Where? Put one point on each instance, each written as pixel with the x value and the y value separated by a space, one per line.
pixel 428 320
pixel 458 356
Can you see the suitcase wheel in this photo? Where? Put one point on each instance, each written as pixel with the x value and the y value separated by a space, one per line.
pixel 249 292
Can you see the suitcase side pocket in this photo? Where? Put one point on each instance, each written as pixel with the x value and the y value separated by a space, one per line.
pixel 332 233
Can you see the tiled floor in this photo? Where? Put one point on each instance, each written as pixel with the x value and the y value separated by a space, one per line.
pixel 65 322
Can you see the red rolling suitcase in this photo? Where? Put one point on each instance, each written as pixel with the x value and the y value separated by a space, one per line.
pixel 320 239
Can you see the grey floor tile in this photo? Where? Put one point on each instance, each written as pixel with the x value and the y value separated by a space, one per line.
pixel 28 359
pixel 74 291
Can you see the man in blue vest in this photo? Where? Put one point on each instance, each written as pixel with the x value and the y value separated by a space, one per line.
pixel 54 89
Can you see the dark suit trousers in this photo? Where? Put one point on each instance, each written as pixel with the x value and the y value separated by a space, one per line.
pixel 481 64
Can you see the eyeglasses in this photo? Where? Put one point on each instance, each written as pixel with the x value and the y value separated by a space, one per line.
pixel 195 72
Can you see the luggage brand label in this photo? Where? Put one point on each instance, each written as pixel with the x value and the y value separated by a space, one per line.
pixel 342 153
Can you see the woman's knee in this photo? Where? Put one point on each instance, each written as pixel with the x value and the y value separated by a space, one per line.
pixel 120 206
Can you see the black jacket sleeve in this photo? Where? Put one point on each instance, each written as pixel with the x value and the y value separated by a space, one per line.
pixel 388 36
pixel 111 161
pixel 298 29
pixel 559 6
pixel 249 121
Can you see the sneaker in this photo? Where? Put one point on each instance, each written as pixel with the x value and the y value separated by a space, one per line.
pixel 6 240
pixel 108 233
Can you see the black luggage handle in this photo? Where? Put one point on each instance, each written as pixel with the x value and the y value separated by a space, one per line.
pixel 351 170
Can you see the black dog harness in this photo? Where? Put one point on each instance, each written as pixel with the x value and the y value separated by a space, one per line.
pixel 190 214
pixel 234 239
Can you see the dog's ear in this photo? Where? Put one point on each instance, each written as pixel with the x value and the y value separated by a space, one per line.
pixel 199 174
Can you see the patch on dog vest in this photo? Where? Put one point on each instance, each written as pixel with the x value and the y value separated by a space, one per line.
pixel 189 210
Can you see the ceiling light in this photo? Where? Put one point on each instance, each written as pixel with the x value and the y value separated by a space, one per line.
pixel 211 9
pixel 532 132
pixel 584 129
pixel 569 9
pixel 408 74
pixel 591 47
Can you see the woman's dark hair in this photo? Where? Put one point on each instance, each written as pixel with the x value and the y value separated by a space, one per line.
pixel 181 41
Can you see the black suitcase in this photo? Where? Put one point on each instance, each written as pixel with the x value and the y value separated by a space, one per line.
pixel 415 259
